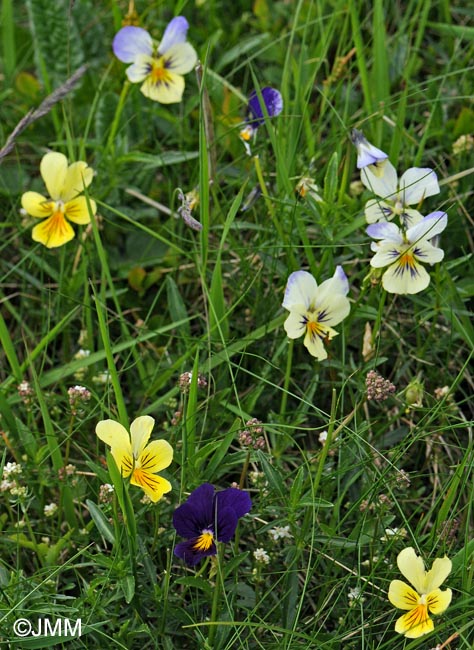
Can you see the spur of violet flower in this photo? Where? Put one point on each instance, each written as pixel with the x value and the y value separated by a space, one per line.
pixel 426 598
pixel 134 457
pixel 367 154
pixel 404 252
pixel 314 309
pixel 397 194
pixel 64 184
pixel 208 517
pixel 273 102
pixel 160 68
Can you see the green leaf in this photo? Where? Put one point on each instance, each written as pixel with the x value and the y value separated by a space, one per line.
pixel 100 521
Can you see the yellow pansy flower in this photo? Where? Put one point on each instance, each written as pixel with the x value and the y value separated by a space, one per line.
pixel 64 184
pixel 426 598
pixel 134 457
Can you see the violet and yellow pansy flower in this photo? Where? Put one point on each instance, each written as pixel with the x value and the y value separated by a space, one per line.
pixel 426 598
pixel 270 102
pixel 405 252
pixel 135 456
pixel 208 517
pixel 159 68
pixel 64 184
pixel 315 309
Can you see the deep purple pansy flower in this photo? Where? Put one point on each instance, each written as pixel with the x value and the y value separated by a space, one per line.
pixel 255 113
pixel 208 517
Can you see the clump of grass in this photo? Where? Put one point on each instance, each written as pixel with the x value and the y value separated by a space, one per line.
pixel 347 461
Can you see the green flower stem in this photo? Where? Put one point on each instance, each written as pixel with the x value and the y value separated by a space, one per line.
pixel 216 598
pixel 117 116
pixel 266 196
pixel 286 383
pixel 332 434
pixel 245 468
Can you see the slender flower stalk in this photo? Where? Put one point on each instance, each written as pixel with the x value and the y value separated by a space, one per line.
pixel 425 598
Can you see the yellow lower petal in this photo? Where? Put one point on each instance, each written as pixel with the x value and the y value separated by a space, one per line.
pixel 165 89
pixel 154 486
pixel 415 623
pixel 54 231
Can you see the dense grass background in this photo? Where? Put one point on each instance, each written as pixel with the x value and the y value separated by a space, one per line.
pixel 151 299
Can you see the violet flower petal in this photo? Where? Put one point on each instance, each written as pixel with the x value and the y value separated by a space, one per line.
pixel 273 103
pixel 225 524
pixel 131 41
pixel 238 500
pixel 196 514
pixel 175 32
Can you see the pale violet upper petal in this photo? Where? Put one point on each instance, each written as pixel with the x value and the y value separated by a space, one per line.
pixel 301 289
pixel 428 227
pixel 337 285
pixel 417 183
pixel 130 42
pixel 175 32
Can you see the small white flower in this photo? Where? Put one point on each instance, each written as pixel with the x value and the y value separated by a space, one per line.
pixel 101 378
pixel 404 253
pixel 50 510
pixel 355 594
pixel 11 469
pixel 18 491
pixel 261 556
pixel 280 532
pixel 82 354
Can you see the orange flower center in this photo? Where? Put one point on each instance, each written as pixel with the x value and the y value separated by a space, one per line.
pixel 418 615
pixel 56 224
pixel 407 260
pixel 159 73
pixel 204 541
